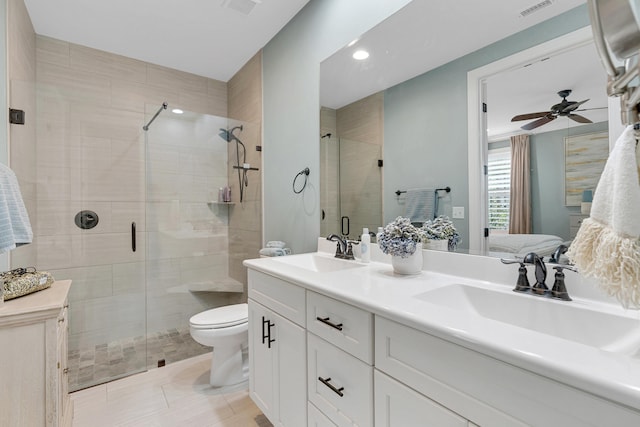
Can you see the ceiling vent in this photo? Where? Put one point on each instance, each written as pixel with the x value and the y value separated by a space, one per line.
pixel 535 8
pixel 243 6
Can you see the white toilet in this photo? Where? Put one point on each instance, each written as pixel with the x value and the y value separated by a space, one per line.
pixel 226 330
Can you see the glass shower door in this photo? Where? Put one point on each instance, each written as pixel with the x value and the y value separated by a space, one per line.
pixel 91 181
pixel 187 229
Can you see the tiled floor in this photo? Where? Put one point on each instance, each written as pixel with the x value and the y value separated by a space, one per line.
pixel 104 362
pixel 175 395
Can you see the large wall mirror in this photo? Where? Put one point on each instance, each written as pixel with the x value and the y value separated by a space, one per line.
pixel 420 121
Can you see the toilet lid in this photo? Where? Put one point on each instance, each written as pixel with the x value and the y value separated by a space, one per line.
pixel 221 317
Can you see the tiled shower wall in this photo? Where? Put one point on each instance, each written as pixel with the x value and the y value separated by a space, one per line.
pixel 329 173
pixel 245 219
pixel 90 155
pixel 22 95
pixel 351 176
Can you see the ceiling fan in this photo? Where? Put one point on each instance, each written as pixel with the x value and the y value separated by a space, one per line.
pixel 563 109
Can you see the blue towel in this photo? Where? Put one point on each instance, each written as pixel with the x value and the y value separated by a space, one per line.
pixel 420 204
pixel 15 228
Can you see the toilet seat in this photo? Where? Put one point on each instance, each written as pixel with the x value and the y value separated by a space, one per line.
pixel 221 317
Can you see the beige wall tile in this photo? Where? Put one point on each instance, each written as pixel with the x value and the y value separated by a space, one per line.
pixel 21 73
pixel 21 40
pixel 129 277
pixel 363 120
pixel 88 282
pixel 245 216
pixel 134 96
pixel 115 66
pixel 171 79
pixel 245 91
pixel 72 85
pixel 83 249
pixel 201 103
pixel 245 103
pixel 52 51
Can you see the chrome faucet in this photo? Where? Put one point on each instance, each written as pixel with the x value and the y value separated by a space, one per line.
pixel 344 247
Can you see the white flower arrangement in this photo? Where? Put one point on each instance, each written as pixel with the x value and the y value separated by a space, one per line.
pixel 441 228
pixel 400 238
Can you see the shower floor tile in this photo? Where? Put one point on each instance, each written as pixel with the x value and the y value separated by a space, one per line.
pixel 108 361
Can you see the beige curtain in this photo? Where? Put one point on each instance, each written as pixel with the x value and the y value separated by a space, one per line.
pixel 520 203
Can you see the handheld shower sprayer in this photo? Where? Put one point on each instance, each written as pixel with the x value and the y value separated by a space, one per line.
pixel 243 180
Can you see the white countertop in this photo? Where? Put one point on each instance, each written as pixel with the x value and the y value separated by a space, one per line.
pixel 375 288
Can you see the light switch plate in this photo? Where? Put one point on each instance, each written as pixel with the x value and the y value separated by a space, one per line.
pixel 458 212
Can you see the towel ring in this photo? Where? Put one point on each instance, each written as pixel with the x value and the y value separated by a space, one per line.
pixel 304 172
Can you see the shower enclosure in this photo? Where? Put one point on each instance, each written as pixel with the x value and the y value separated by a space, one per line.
pixel 350 186
pixel 151 245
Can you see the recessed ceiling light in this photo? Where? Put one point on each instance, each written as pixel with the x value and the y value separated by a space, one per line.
pixel 360 55
pixel 177 111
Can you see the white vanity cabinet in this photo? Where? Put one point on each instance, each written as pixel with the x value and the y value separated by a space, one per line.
pixel 367 363
pixel 33 356
pixel 277 349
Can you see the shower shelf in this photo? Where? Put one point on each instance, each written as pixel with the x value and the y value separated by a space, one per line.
pixel 213 202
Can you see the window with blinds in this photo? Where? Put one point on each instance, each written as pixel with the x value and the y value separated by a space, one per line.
pixel 499 185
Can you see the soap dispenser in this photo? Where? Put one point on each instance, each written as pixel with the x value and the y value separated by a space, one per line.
pixel 365 245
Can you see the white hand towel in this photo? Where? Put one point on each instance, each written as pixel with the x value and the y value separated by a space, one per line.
pixel 607 246
pixel 15 228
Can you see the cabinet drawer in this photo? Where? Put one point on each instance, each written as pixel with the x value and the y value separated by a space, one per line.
pixel 282 297
pixel 317 418
pixel 396 405
pixel 340 385
pixel 346 326
pixel 483 389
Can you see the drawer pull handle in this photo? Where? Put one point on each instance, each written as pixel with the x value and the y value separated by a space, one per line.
pixel 326 382
pixel 326 322
pixel 61 320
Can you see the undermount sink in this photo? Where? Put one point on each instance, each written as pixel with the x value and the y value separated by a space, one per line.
pixel 318 263
pixel 564 320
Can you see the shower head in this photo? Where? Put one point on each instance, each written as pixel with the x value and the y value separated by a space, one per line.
pixel 228 135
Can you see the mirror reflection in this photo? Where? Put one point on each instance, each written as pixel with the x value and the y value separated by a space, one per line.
pixel 562 137
pixel 424 146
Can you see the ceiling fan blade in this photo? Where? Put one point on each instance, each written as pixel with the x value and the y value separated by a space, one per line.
pixel 578 118
pixel 573 106
pixel 539 122
pixel 590 109
pixel 530 116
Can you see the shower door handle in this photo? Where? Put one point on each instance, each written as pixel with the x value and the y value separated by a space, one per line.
pixel 133 236
pixel 345 230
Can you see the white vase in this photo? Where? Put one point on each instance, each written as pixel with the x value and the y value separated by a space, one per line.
pixel 409 265
pixel 438 245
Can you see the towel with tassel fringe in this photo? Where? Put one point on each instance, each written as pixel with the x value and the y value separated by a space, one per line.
pixel 607 246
